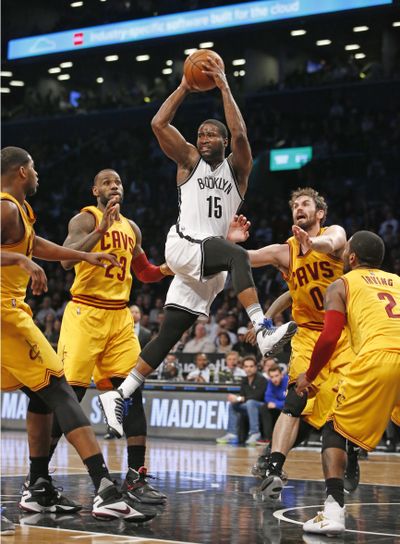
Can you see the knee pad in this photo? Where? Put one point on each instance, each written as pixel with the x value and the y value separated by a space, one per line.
pixel 59 396
pixel 134 422
pixel 36 405
pixel 294 405
pixel 331 438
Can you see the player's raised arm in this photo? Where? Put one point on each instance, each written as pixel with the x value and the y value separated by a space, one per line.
pixel 83 234
pixel 332 241
pixel 275 254
pixel 240 157
pixel 170 139
pixel 142 268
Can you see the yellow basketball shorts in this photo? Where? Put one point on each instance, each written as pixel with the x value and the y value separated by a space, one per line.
pixel 325 386
pixel 368 397
pixel 27 358
pixel 97 343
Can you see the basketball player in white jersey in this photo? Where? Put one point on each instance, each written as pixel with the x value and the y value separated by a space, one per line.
pixel 211 188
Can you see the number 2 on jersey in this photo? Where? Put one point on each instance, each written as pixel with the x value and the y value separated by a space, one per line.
pixel 389 307
pixel 214 207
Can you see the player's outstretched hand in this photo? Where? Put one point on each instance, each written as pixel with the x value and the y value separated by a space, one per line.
pixel 37 274
pixel 302 384
pixel 302 237
pixel 239 229
pixel 111 214
pixel 97 259
pixel 213 69
pixel 165 269
pixel 251 337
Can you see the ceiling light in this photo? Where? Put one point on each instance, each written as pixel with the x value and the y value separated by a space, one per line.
pixel 242 72
pixel 5 74
pixel 396 23
pixel 103 0
pixel 55 70
pixel 169 62
pixel 352 47
pixel 323 42
pixel 66 64
pixel 147 99
pixel 16 83
pixel 167 71
pixel 5 90
pixel 206 45
pixel 190 51
pixel 142 58
pixel 63 77
pixel 236 73
pixel 76 4
pixel 299 32
pixel 362 28
pixel 359 56
pixel 111 58
pixel 238 62
pixel 100 80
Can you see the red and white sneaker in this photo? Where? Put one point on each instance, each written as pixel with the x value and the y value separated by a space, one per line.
pixel 109 504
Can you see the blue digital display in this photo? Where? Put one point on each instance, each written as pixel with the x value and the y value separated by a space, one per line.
pixel 201 20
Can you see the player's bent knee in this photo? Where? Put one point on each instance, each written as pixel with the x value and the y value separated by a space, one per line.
pixel 134 423
pixel 331 438
pixel 294 405
pixel 59 396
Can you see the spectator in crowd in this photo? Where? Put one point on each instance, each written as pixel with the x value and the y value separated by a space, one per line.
pixel 248 402
pixel 274 399
pixel 143 334
pixel 201 374
pixel 170 369
pixel 200 342
pixel 223 342
pixel 268 362
pixel 45 309
pixel 243 347
pixel 232 372
pixel 52 329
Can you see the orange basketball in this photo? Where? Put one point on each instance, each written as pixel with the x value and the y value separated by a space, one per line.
pixel 193 69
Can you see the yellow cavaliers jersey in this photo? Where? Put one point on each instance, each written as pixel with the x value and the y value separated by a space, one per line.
pixel 14 280
pixel 109 287
pixel 308 278
pixel 373 310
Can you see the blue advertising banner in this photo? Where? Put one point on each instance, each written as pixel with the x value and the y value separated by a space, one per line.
pixel 201 20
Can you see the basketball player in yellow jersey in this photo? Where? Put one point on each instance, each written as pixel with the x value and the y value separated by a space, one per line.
pixel 28 360
pixel 368 299
pixel 97 336
pixel 310 261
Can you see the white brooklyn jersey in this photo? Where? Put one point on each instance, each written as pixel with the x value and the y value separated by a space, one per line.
pixel 208 200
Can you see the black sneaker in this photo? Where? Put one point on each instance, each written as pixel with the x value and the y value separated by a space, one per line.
pixel 109 504
pixel 42 496
pixel 136 487
pixel 259 470
pixel 272 485
pixel 352 472
pixel 7 527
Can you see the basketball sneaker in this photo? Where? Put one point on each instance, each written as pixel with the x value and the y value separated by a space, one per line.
pixel 136 487
pixel 272 484
pixel 252 439
pixel 7 527
pixel 330 522
pixel 109 504
pixel 259 470
pixel 42 496
pixel 112 405
pixel 272 339
pixel 228 438
pixel 352 472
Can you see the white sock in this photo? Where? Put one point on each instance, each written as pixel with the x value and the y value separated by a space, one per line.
pixel 132 382
pixel 255 314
